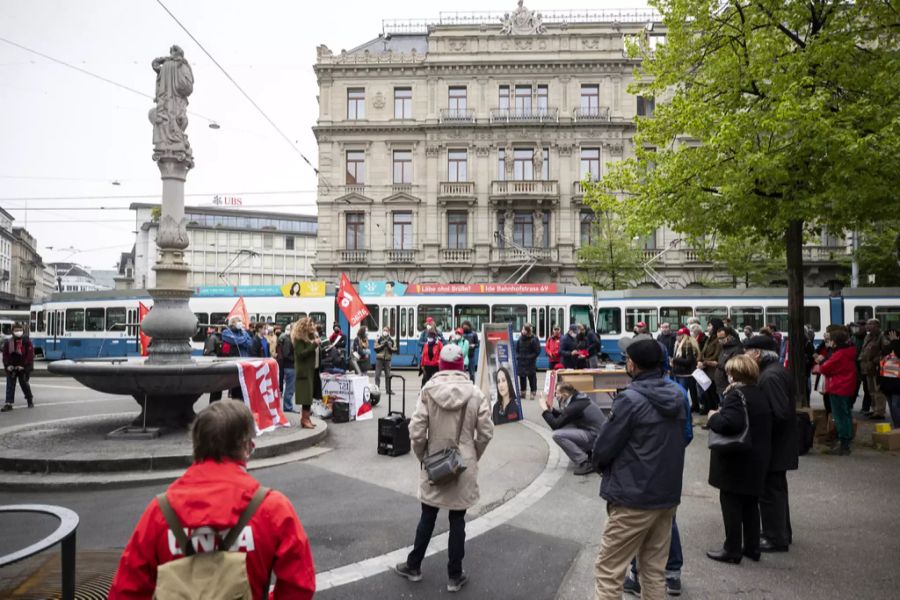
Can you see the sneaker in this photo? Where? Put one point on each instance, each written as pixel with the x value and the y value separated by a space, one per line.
pixel 6 408
pixel 455 584
pixel 632 586
pixel 673 586
pixel 403 570
pixel 585 468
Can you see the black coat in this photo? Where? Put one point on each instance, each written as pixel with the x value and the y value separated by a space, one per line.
pixel 580 412
pixel 668 340
pixel 742 472
pixel 685 364
pixel 778 386
pixel 566 344
pixel 527 351
pixel 729 349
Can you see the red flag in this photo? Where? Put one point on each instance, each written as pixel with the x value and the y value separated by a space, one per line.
pixel 239 310
pixel 259 382
pixel 145 339
pixel 350 303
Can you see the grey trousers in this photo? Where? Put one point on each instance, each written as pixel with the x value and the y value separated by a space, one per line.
pixel 575 442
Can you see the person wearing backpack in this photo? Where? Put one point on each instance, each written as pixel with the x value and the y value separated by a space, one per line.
pixel 889 376
pixel 238 533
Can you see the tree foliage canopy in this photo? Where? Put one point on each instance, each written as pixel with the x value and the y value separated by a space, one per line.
pixel 612 261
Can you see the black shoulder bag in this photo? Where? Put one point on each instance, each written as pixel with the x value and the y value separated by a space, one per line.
pixel 446 465
pixel 733 443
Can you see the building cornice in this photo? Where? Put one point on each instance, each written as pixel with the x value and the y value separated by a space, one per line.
pixel 472 132
pixel 459 67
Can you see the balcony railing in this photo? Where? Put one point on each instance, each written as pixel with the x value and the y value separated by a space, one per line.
pixel 355 188
pixel 598 113
pixel 457 189
pixel 401 256
pixel 824 253
pixel 458 116
pixel 518 255
pixel 401 188
pixel 527 188
pixel 457 255
pixel 354 256
pixel 525 115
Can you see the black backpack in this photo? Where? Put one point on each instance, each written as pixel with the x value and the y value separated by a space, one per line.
pixel 807 433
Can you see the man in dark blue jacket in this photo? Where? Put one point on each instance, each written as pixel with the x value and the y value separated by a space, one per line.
pixel 575 425
pixel 567 348
pixel 640 451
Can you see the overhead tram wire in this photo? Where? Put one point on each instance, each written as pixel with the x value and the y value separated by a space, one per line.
pixel 94 75
pixel 241 90
pixel 151 195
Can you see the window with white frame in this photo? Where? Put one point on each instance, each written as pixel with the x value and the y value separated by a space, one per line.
pixel 403 233
pixel 402 166
pixel 356 103
pixel 590 164
pixel 457 229
pixel 457 165
pixel 403 103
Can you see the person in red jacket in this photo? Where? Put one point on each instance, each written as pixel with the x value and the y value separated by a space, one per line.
pixel 552 348
pixel 213 492
pixel 18 361
pixel 840 385
pixel 431 353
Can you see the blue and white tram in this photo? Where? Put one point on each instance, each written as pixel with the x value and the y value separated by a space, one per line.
pixel 543 305
pixel 103 324
pixel 619 311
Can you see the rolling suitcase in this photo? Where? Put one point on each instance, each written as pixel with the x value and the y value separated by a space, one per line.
pixel 393 430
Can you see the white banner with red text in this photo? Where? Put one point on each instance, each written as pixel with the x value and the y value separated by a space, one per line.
pixel 259 383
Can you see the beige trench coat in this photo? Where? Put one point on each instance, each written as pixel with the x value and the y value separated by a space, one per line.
pixel 444 398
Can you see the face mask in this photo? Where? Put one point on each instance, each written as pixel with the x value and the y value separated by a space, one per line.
pixel 18 334
pixel 385 332
pixel 239 326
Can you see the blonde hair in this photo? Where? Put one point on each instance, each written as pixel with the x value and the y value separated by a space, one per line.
pixel 742 369
pixel 688 340
pixel 304 329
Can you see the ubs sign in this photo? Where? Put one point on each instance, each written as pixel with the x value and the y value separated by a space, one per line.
pixel 227 200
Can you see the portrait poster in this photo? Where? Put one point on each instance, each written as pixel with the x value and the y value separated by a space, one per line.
pixel 497 372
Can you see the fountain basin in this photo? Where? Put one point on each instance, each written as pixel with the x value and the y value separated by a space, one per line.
pixel 165 392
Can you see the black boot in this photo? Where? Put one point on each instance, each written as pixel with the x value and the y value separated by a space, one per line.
pixel 724 556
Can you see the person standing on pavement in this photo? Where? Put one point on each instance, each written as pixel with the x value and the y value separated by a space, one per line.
pixel 236 342
pixel 594 347
pixel 360 350
pixel 684 361
pixel 568 348
pixel 306 366
pixel 777 385
pixel 472 337
pixel 640 451
pixel 731 346
pixel 458 338
pixel 575 425
pixel 709 361
pixel 839 369
pixel 450 405
pixel 874 347
pixel 213 347
pixel 528 349
pixel 431 352
pixel 18 361
pixel 552 348
pixel 667 338
pixel 740 476
pixel 384 350
pixel 213 493
pixel 286 355
pixel 889 377
pixel 271 339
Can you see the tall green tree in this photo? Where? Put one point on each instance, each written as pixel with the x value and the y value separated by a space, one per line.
pixel 775 117
pixel 612 261
pixel 879 255
pixel 748 264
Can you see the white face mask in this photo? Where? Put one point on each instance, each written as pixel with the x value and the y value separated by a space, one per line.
pixel 18 334
pixel 385 332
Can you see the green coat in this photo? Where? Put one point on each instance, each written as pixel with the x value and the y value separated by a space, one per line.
pixel 305 368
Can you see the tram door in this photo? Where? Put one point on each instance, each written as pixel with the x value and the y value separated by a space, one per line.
pixel 391 318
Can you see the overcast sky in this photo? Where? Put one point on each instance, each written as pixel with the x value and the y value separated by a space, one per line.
pixel 66 134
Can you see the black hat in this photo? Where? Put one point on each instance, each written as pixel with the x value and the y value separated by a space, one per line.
pixel 645 353
pixel 717 324
pixel 761 342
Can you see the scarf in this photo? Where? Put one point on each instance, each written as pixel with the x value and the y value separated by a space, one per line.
pixel 431 343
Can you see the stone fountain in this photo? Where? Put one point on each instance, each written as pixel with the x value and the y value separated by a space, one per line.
pixel 168 382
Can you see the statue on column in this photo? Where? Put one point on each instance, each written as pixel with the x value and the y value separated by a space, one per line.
pixel 537 160
pixel 174 83
pixel 509 218
pixel 538 217
pixel 509 162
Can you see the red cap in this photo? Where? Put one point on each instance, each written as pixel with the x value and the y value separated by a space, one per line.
pixel 684 331
pixel 429 320
pixel 459 330
pixel 641 324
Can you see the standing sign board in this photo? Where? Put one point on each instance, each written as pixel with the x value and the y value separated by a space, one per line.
pixel 352 389
pixel 497 372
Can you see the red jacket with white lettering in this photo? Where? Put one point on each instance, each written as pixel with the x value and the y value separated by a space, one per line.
pixel 215 494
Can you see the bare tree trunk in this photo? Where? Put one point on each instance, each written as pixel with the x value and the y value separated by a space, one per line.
pixel 797 337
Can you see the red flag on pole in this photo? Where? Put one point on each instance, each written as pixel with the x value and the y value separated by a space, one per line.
pixel 239 310
pixel 350 303
pixel 145 339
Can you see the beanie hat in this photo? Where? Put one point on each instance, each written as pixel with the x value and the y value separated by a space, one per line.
pixel 645 353
pixel 717 324
pixel 761 342
pixel 451 359
pixel 684 331
pixel 573 327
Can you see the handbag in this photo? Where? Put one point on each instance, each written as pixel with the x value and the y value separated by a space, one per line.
pixel 733 443
pixel 445 465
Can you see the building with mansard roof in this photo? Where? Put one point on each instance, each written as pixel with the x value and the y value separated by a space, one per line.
pixel 453 150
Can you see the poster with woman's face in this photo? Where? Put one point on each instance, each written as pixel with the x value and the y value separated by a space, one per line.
pixel 499 380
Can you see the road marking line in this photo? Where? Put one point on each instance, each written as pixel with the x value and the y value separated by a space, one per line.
pixel 60 387
pixel 537 489
pixel 119 398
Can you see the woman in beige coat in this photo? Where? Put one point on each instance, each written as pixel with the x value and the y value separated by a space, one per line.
pixel 447 397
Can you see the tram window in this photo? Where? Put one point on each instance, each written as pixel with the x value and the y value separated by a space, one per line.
pixel 609 320
pixel 115 318
pixel 476 314
pixel 812 317
pixel 863 313
pixel 648 315
pixel 40 320
pixel 510 313
pixel 283 318
pixel 676 316
pixel 318 318
pixel 741 316
pixel 75 319
pixel 202 324
pixel 371 320
pixel 583 314
pixel 778 316
pixel 218 318
pixel 441 313
pixel 532 319
pixel 542 323
pixel 132 317
pixel 556 319
pixel 33 320
pixel 705 313
pixel 410 318
pixel 403 312
pixel 6 328
pixel 95 319
pixel 889 316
